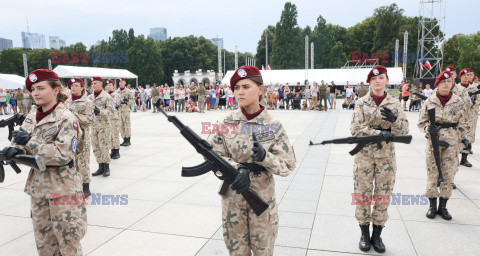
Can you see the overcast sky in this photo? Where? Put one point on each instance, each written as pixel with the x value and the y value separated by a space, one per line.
pixel 239 22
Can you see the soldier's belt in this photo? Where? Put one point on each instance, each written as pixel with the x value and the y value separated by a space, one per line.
pixel 70 164
pixel 380 129
pixel 255 168
pixel 447 125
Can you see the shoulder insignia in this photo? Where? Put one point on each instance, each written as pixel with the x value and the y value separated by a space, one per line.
pixel 50 131
pixel 74 144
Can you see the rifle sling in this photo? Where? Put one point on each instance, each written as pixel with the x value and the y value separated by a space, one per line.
pixel 447 125
pixel 70 164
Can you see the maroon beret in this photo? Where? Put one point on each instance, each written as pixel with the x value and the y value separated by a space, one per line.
pixel 110 81
pixel 244 72
pixel 96 78
pixel 376 71
pixel 122 79
pixel 464 71
pixel 444 75
pixel 74 80
pixel 450 69
pixel 39 75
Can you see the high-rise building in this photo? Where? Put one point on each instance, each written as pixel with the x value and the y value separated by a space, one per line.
pixel 33 40
pixel 158 34
pixel 5 44
pixel 215 41
pixel 56 42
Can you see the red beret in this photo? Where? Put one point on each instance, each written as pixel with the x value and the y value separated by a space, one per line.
pixel 122 79
pixel 39 75
pixel 376 71
pixel 96 78
pixel 464 71
pixel 74 80
pixel 109 81
pixel 244 72
pixel 450 69
pixel 444 75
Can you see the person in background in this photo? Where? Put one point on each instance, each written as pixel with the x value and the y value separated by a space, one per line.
pixel 3 102
pixel 181 98
pixel 405 94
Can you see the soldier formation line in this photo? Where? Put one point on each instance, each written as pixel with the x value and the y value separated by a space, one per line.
pixel 59 131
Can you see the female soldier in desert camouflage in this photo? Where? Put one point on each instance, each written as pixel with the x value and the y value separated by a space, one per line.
pixel 451 124
pixel 375 113
pixel 243 231
pixel 82 108
pixel 52 132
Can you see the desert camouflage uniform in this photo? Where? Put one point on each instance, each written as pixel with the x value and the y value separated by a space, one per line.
pixel 115 121
pixel 20 104
pixel 83 110
pixel 125 112
pixel 374 166
pixel 473 114
pixel 362 91
pixel 201 98
pixel 101 127
pixel 322 95
pixel 453 112
pixel 155 96
pixel 243 231
pixel 58 227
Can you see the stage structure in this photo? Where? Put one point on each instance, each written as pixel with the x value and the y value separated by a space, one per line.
pixel 430 38
pixel 199 76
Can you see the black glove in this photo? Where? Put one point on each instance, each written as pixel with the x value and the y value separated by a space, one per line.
pixel 388 115
pixel 433 128
pixel 242 181
pixel 96 111
pixel 468 145
pixel 125 101
pixel 21 136
pixel 259 152
pixel 387 136
pixel 10 152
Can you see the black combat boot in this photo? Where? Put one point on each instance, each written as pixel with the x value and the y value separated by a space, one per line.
pixel 99 171
pixel 106 167
pixel 124 141
pixel 111 153
pixel 464 160
pixel 115 154
pixel 376 240
pixel 432 210
pixel 86 189
pixel 364 243
pixel 127 142
pixel 454 186
pixel 442 209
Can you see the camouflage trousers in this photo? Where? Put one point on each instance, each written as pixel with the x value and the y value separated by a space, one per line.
pixel 368 172
pixel 449 158
pixel 115 134
pixel 324 99
pixel 201 106
pixel 471 132
pixel 82 160
pixel 21 108
pixel 244 231
pixel 126 125
pixel 154 102
pixel 100 144
pixel 58 229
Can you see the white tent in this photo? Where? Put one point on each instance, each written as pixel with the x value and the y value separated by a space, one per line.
pixel 339 76
pixel 87 72
pixel 11 82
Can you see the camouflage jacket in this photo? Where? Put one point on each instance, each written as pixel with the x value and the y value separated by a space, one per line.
pixel 105 103
pixel 155 92
pixel 473 88
pixel 362 91
pixel 82 109
pixel 454 111
pixel 19 97
pixel 462 92
pixel 236 144
pixel 116 100
pixel 201 92
pixel 367 120
pixel 54 139
pixel 322 89
pixel 126 93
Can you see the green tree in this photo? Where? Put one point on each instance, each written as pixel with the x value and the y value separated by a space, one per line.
pixel 451 51
pixel 323 43
pixel 287 43
pixel 387 21
pixel 260 55
pixel 145 60
pixel 469 51
pixel 38 58
pixel 11 61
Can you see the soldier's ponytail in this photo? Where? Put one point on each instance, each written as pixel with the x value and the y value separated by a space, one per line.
pixel 61 97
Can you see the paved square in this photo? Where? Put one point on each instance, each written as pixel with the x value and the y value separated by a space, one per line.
pixel 169 215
